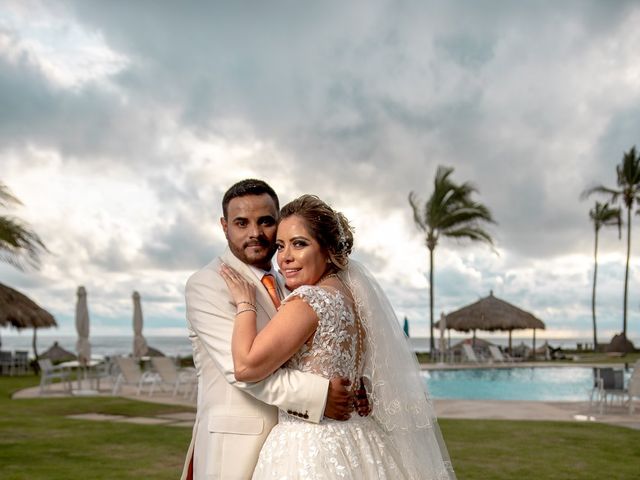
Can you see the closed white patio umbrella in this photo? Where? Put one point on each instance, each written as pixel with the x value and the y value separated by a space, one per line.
pixel 140 348
pixel 83 347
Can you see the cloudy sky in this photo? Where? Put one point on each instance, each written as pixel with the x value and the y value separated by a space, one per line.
pixel 122 124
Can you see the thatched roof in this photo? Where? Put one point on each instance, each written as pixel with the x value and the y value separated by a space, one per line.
pixel 20 311
pixel 491 313
pixel 58 354
pixel 154 352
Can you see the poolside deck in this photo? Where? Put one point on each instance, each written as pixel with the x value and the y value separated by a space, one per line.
pixel 445 408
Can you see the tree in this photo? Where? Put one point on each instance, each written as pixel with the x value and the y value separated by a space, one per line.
pixel 19 245
pixel 601 215
pixel 448 212
pixel 628 173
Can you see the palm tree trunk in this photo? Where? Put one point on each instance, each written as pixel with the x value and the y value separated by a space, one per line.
pixel 593 294
pixel 626 273
pixel 431 342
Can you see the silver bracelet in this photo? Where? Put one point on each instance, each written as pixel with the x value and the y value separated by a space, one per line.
pixel 247 310
pixel 248 303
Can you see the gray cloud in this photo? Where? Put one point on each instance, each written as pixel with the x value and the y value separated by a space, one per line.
pixel 529 101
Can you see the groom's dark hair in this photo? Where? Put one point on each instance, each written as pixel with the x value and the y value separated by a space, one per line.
pixel 249 186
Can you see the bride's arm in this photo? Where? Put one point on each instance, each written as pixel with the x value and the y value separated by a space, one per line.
pixel 257 355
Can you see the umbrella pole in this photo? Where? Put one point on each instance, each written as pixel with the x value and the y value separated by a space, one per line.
pixel 34 343
pixel 534 343
pixel 510 332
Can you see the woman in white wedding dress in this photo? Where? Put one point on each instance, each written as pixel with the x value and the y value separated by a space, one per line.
pixel 336 322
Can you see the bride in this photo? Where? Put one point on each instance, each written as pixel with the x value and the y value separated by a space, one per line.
pixel 336 322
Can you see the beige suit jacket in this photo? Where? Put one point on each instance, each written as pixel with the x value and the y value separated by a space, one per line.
pixel 234 418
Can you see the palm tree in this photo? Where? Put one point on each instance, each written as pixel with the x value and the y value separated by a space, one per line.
pixel 628 172
pixel 19 245
pixel 602 215
pixel 449 212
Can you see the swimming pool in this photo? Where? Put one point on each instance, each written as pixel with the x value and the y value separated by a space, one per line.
pixel 570 384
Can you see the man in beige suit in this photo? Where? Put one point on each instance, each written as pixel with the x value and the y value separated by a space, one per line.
pixel 234 418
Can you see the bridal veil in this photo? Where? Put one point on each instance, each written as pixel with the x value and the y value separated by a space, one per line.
pixel 397 391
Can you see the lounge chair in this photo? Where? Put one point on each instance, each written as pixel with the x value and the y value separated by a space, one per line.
pixel 103 371
pixel 608 382
pixel 633 389
pixel 50 372
pixel 21 362
pixel 469 354
pixel 498 356
pixel 172 378
pixel 6 363
pixel 131 374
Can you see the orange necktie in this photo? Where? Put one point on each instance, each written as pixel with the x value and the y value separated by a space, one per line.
pixel 270 283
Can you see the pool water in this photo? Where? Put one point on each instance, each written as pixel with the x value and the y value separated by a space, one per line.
pixel 571 384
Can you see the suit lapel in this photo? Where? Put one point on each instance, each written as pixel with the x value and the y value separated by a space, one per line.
pixel 262 296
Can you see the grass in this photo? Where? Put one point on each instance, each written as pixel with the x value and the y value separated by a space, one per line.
pixel 38 442
pixel 498 449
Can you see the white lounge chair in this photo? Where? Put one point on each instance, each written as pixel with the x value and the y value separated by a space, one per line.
pixel 6 363
pixel 172 377
pixel 469 354
pixel 131 374
pixel 633 389
pixel 499 356
pixel 21 362
pixel 50 372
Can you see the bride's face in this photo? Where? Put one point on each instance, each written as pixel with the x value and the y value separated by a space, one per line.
pixel 301 259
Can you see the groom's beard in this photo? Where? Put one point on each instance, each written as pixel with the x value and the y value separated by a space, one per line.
pixel 256 252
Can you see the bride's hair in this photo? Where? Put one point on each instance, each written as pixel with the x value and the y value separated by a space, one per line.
pixel 329 228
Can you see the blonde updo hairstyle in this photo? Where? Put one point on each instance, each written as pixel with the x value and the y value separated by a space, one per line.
pixel 329 228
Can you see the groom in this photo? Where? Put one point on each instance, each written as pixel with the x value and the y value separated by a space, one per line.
pixel 234 418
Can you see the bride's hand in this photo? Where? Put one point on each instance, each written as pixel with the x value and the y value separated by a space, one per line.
pixel 243 292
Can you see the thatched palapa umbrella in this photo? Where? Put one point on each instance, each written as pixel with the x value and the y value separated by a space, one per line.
pixel 491 313
pixel 20 312
pixel 57 354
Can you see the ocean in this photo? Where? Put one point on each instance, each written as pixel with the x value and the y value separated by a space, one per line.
pixel 181 346
pixel 100 345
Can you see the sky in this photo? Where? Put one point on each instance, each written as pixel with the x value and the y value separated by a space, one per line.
pixel 123 123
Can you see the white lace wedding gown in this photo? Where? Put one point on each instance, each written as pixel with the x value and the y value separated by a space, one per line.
pixel 355 449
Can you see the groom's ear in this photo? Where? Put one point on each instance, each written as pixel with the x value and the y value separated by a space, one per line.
pixel 223 222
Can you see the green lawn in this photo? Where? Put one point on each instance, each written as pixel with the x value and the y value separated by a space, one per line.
pixel 499 449
pixel 38 442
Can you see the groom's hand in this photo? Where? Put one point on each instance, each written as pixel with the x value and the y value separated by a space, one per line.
pixel 363 407
pixel 339 399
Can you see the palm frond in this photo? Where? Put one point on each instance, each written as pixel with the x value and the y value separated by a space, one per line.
pixel 602 214
pixel 603 190
pixel 629 170
pixel 19 245
pixel 418 215
pixel 6 197
pixel 470 232
pixel 451 209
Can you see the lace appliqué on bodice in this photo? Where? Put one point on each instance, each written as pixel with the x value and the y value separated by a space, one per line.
pixel 333 346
